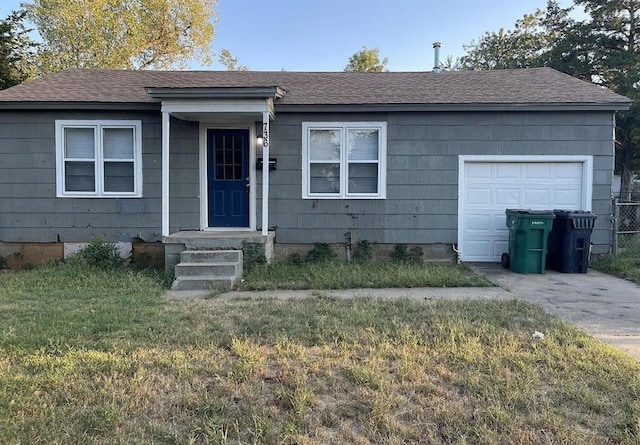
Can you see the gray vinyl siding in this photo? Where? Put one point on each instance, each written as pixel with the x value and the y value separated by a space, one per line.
pixel 30 211
pixel 422 172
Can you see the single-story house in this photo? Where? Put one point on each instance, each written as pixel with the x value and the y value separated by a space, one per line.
pixel 416 158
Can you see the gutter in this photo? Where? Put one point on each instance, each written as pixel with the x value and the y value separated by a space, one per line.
pixel 324 108
pixel 345 108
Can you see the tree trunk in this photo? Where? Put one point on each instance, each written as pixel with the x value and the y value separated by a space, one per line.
pixel 626 183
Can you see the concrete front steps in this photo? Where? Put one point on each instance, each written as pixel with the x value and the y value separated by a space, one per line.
pixel 208 269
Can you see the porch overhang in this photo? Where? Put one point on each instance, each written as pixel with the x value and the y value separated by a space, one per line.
pixel 228 103
pixel 220 105
pixel 216 92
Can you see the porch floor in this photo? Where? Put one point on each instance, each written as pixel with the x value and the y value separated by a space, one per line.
pixel 247 236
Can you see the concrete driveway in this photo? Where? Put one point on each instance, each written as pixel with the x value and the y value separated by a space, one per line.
pixel 605 306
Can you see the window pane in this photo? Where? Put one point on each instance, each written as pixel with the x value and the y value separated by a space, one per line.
pixel 237 143
pixel 363 145
pixel 118 143
pixel 324 145
pixel 363 178
pixel 79 143
pixel 79 177
pixel 118 177
pixel 324 178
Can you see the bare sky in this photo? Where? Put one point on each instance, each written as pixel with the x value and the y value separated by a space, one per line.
pixel 320 35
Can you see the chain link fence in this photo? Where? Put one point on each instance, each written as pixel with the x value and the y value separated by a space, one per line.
pixel 626 240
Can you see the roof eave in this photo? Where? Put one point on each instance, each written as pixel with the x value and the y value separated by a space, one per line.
pixel 283 107
pixel 611 106
pixel 55 105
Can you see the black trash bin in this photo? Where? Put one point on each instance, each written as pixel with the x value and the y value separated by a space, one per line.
pixel 569 241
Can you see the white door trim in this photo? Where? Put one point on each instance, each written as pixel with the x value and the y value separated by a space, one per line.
pixel 204 190
pixel 587 178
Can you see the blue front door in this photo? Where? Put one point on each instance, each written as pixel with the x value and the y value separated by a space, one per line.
pixel 228 177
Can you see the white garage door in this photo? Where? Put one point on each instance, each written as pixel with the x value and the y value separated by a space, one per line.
pixel 488 188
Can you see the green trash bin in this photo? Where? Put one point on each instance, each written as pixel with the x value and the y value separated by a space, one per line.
pixel 528 235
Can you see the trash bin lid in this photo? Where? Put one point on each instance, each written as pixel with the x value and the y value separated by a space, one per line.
pixel 573 213
pixel 529 212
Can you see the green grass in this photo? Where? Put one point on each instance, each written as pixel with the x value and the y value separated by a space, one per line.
pixel 98 357
pixel 341 275
pixel 619 265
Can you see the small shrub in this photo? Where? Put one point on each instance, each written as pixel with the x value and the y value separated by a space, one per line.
pixel 320 253
pixel 363 251
pixel 400 254
pixel 295 259
pixel 3 262
pixel 253 255
pixel 99 253
pixel 416 254
pixel 167 278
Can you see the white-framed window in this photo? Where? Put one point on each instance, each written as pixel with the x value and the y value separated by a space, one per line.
pixel 99 158
pixel 344 160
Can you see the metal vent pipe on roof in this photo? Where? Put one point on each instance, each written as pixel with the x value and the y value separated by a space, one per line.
pixel 436 57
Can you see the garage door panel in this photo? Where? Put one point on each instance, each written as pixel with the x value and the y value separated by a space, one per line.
pixel 499 222
pixel 537 171
pixel 479 197
pixel 486 221
pixel 478 222
pixel 536 199
pixel 507 171
pixel 499 247
pixel 567 199
pixel 572 172
pixel 478 171
pixel 506 197
pixel 492 187
pixel 477 248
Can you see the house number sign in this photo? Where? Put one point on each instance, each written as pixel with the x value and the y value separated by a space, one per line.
pixel 265 135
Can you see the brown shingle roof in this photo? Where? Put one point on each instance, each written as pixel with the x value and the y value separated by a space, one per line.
pixel 523 86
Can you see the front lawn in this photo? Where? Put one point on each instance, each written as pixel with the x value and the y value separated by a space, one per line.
pixel 357 275
pixel 97 356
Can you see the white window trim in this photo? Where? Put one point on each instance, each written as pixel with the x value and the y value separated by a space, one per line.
pixel 343 127
pixel 98 126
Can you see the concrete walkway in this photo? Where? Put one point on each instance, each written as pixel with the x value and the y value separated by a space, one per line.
pixel 605 306
pixel 414 293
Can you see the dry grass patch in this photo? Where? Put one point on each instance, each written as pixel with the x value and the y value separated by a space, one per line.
pixel 306 372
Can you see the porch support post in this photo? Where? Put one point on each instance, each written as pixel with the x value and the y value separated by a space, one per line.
pixel 165 173
pixel 265 173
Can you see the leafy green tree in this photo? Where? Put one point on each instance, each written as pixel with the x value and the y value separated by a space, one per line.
pixel 226 58
pixel 16 50
pixel 525 46
pixel 366 60
pixel 610 47
pixel 122 34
